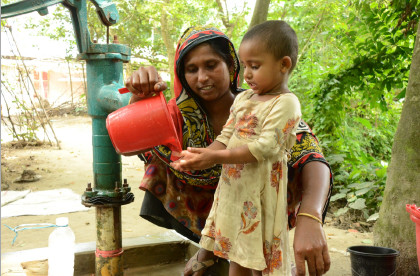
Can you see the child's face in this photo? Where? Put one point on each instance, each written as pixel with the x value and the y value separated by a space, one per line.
pixel 262 71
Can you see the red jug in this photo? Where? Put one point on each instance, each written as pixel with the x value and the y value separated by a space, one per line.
pixel 143 125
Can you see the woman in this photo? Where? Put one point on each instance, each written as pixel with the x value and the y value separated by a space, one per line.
pixel 206 68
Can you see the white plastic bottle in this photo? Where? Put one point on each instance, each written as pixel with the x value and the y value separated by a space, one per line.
pixel 61 247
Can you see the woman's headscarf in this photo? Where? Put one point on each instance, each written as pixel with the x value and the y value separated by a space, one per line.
pixel 196 131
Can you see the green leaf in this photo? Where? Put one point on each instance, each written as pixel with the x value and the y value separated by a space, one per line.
pixel 364 122
pixel 373 217
pixel 362 191
pixel 336 158
pixel 388 86
pixel 341 211
pixel 353 185
pixel 367 184
pixel 367 241
pixel 337 196
pixel 344 190
pixel 401 95
pixel 381 172
pixel 351 197
pixel 355 174
pixel 359 204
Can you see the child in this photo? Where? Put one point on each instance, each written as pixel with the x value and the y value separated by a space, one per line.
pixel 248 220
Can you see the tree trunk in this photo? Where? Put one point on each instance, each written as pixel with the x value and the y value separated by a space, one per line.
pixel 260 13
pixel 166 31
pixel 394 229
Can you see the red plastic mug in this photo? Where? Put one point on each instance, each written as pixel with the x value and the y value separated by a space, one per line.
pixel 143 125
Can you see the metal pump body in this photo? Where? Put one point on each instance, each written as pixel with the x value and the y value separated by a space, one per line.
pixel 104 68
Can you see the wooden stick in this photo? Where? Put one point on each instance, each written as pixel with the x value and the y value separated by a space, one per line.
pixel 35 109
pixel 33 87
pixel 8 113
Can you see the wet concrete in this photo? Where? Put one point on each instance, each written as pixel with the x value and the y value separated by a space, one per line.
pixel 152 255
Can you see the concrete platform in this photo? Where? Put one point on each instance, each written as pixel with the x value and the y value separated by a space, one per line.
pixel 154 255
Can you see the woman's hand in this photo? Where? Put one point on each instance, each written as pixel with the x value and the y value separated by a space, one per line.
pixel 310 245
pixel 144 82
pixel 195 159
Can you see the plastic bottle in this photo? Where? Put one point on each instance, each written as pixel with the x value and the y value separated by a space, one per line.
pixel 61 247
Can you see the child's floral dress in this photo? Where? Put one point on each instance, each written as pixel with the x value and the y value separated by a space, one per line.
pixel 248 220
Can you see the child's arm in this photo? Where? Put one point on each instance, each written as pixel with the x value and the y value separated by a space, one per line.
pixel 199 158
pixel 216 153
pixel 239 155
pixel 216 145
pixel 277 128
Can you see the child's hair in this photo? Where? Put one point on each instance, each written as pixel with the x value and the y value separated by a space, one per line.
pixel 279 39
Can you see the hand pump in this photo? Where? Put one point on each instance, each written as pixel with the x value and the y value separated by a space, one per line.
pixel 104 68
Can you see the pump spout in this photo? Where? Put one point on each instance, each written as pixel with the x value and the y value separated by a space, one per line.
pixel 109 98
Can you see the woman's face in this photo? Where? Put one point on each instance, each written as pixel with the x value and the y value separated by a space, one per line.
pixel 206 73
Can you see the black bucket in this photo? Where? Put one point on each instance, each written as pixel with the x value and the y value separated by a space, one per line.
pixel 373 260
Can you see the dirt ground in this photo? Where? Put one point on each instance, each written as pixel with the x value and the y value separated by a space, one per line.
pixel 71 167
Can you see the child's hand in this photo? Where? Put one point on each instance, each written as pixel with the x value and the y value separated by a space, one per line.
pixel 177 165
pixel 194 159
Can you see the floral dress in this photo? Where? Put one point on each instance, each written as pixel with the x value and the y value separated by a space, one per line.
pixel 247 223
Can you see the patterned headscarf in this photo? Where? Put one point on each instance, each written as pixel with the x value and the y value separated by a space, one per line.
pixel 196 130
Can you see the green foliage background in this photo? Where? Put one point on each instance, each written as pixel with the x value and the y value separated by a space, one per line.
pixel 353 67
pixel 351 81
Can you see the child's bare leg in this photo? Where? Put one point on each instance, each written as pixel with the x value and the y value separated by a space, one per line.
pixel 237 270
pixel 256 273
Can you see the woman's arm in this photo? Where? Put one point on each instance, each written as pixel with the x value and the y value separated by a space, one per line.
pixel 310 243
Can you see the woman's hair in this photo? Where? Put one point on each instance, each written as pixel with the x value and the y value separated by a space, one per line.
pixel 222 48
pixel 279 39
pixel 220 45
